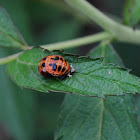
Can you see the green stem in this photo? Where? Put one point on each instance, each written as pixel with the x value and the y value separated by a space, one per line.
pixel 64 45
pixel 119 31
pixel 9 58
pixel 78 42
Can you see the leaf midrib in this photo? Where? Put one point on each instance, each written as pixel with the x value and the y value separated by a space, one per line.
pixel 101 120
pixel 10 37
pixel 116 122
pixel 86 119
pixel 110 79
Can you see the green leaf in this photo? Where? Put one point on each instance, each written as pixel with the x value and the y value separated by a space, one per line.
pixel 91 77
pixel 87 118
pixel 21 19
pixel 108 52
pixel 9 36
pixel 131 12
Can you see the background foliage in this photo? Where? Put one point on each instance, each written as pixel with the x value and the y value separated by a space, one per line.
pixel 27 114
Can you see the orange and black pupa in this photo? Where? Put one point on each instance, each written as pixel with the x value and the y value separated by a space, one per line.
pixel 55 65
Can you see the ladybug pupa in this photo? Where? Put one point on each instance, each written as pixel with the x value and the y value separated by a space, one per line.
pixel 55 65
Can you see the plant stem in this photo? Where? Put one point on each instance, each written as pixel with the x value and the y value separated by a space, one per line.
pixel 78 42
pixel 119 31
pixel 9 58
pixel 64 45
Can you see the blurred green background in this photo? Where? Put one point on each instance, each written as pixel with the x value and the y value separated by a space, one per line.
pixel 31 115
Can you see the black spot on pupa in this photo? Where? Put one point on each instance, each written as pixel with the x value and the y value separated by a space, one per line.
pixel 52 58
pixel 44 58
pixel 61 59
pixel 54 67
pixel 50 64
pixel 56 58
pixel 59 68
pixel 63 69
pixel 43 65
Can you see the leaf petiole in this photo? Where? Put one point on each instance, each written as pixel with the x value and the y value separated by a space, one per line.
pixel 10 58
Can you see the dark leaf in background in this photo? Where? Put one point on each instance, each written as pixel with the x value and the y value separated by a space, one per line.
pixel 9 37
pixel 48 108
pixel 132 12
pixel 17 10
pixel 108 52
pixel 16 107
pixel 95 118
